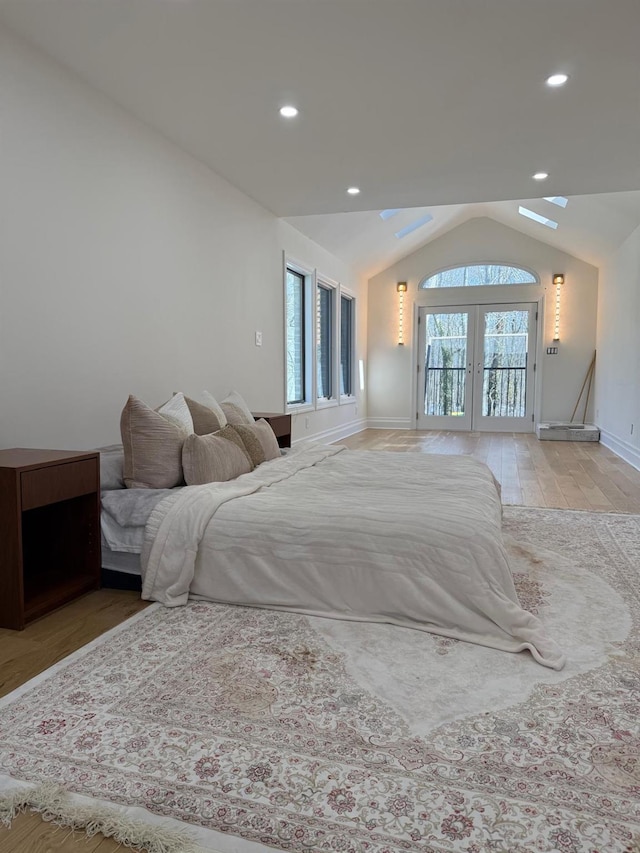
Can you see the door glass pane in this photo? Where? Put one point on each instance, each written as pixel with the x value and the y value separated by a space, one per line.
pixel 506 336
pixel 445 365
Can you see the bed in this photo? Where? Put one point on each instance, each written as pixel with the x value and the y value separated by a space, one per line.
pixel 408 539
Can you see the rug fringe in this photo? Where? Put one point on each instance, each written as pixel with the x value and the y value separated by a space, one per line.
pixel 56 805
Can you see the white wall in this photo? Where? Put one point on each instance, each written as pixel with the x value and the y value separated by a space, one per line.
pixel 391 368
pixel 617 401
pixel 126 267
pixel 340 420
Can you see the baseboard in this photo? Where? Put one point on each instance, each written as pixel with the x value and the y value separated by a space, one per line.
pixel 390 423
pixel 621 448
pixel 328 436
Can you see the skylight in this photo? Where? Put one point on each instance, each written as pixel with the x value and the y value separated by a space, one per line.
pixel 560 200
pixel 387 214
pixel 543 220
pixel 413 226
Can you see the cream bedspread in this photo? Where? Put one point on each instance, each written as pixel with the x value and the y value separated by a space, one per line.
pixel 410 539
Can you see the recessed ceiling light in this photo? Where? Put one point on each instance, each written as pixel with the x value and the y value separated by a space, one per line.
pixel 288 112
pixel 353 190
pixel 540 176
pixel 557 80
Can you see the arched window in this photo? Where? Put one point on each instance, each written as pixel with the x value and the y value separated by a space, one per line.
pixel 477 275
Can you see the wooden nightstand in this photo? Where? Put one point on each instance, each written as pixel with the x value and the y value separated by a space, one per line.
pixel 280 424
pixel 49 531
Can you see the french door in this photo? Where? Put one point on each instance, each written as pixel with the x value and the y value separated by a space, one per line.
pixel 476 367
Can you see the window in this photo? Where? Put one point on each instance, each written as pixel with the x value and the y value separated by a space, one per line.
pixel 346 345
pixel 296 337
pixel 478 275
pixel 320 354
pixel 324 342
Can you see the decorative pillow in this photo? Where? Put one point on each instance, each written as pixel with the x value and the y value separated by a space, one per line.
pixel 152 446
pixel 211 403
pixel 259 440
pixel 205 419
pixel 214 458
pixel 177 411
pixel 251 443
pixel 236 409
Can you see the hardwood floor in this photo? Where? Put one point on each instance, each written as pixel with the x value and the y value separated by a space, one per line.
pixel 561 474
pixel 569 475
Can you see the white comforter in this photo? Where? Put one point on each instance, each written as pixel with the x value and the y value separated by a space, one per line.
pixel 410 539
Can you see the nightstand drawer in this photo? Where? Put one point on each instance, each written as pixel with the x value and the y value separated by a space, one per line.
pixel 55 483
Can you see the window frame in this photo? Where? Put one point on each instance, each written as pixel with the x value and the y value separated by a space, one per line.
pixel 347 295
pixel 313 279
pixel 308 273
pixel 511 264
pixel 327 284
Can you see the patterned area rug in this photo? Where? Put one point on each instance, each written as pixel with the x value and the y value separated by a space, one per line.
pixel 282 731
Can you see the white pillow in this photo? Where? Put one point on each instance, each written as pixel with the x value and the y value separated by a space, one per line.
pixel 236 409
pixel 210 401
pixel 177 411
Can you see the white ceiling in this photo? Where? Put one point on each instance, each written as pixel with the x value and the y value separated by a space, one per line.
pixel 419 102
pixel 590 228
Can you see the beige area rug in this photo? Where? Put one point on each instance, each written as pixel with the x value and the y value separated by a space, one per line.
pixel 257 730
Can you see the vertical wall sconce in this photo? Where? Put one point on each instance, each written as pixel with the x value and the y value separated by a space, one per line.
pixel 401 287
pixel 558 280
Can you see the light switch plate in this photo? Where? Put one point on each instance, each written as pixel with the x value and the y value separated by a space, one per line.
pixel 258 339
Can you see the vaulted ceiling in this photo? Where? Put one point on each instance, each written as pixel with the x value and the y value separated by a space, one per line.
pixel 420 103
pixel 590 227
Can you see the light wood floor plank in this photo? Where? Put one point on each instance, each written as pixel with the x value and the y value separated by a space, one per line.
pixel 30 834
pixel 18 838
pixel 561 474
pixel 619 501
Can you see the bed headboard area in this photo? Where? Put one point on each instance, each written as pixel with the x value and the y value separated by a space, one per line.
pixel 158 444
